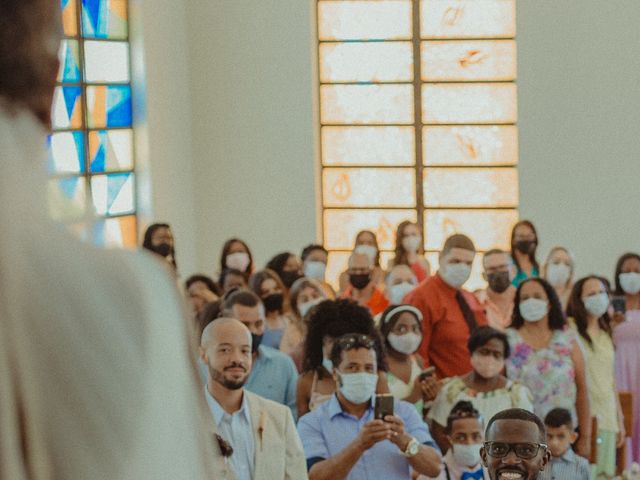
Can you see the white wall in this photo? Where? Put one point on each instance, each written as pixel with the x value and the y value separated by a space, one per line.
pixel 169 138
pixel 252 125
pixel 250 169
pixel 579 99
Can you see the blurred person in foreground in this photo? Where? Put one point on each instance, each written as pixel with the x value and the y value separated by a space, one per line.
pixel 95 369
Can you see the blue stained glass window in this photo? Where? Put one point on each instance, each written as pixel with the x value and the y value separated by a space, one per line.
pixel 90 152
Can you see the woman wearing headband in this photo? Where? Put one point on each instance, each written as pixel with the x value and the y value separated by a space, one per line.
pixel 401 331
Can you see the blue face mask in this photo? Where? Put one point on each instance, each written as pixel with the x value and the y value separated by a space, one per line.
pixel 328 364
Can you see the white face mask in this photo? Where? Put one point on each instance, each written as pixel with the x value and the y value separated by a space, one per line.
pixel 368 250
pixel 597 304
pixel 239 261
pixel 533 309
pixel 305 307
pixel 455 274
pixel 558 274
pixel 358 387
pixel 630 282
pixel 407 343
pixel 397 292
pixel 467 455
pixel 315 270
pixel 411 243
pixel 328 364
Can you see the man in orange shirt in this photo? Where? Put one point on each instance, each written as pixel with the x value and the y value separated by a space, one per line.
pixel 361 288
pixel 450 313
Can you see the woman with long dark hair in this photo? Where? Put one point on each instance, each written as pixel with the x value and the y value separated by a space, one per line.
pixel 588 311
pixel 410 250
pixel 546 357
pixel 267 285
pixel 236 255
pixel 524 243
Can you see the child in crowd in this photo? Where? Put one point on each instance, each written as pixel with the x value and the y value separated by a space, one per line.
pixel 565 463
pixel 465 433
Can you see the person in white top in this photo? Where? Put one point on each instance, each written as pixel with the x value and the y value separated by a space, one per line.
pixel 96 376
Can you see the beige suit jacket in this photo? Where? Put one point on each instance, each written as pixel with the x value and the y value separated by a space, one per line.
pixel 278 450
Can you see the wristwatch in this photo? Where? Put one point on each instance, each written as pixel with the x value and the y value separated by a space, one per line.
pixel 412 448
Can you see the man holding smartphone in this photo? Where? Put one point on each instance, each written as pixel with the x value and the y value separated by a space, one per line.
pixel 343 440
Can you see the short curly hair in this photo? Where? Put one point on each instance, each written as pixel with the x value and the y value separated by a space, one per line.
pixel 334 318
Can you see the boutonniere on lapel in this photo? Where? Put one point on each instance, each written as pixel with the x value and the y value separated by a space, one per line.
pixel 225 447
pixel 261 425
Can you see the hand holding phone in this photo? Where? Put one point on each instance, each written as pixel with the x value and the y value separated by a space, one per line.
pixel 428 372
pixel 619 305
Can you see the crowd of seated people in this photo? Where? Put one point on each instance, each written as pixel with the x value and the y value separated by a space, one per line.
pixel 535 339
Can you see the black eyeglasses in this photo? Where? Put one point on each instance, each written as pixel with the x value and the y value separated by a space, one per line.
pixel 355 340
pixel 526 451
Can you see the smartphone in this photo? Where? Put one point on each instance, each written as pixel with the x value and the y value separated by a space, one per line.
pixel 383 406
pixel 619 304
pixel 427 373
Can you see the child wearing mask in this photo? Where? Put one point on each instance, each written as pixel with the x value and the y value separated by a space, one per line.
pixel 565 463
pixel 465 432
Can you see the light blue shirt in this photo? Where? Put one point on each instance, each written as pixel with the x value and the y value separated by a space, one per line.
pixel 274 376
pixel 569 466
pixel 328 430
pixel 236 429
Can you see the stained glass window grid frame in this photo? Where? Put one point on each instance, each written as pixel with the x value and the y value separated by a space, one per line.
pixel 417 40
pixel 91 216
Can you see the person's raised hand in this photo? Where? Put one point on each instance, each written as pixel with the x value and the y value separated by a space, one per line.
pixel 373 432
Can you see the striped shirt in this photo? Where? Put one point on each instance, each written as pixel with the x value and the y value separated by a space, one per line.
pixel 567 467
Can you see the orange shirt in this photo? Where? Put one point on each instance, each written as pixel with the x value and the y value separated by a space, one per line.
pixel 377 303
pixel 444 331
pixel 498 316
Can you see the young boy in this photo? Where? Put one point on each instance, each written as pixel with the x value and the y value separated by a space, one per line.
pixel 565 464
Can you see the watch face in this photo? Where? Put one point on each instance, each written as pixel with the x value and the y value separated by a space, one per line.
pixel 413 448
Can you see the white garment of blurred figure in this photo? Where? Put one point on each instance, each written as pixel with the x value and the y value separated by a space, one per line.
pixel 96 380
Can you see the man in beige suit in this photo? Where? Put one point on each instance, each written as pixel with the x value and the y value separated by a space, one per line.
pixel 262 433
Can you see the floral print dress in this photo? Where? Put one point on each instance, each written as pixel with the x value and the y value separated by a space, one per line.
pixel 549 372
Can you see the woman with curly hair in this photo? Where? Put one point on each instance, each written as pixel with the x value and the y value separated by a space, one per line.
pixel 328 321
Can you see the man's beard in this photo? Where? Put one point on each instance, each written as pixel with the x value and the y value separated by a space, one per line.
pixel 228 383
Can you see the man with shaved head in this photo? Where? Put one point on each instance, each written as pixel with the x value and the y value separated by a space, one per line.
pixel 361 287
pixel 261 432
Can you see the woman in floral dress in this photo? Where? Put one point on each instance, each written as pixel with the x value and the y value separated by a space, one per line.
pixel 546 357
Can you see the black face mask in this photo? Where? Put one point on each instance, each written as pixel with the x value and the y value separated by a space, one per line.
pixel 289 278
pixel 256 340
pixel 359 280
pixel 526 246
pixel 499 281
pixel 163 249
pixel 273 302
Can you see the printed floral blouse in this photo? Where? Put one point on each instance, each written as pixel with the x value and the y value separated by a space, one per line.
pixel 549 372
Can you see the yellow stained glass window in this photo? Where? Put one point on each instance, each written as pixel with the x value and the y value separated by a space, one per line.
pixel 479 60
pixel 470 187
pixel 364 20
pixel 417 89
pixel 342 225
pixel 488 228
pixel 468 18
pixel 469 103
pixel 363 104
pixel 366 62
pixel 368 146
pixel 369 187
pixel 470 146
